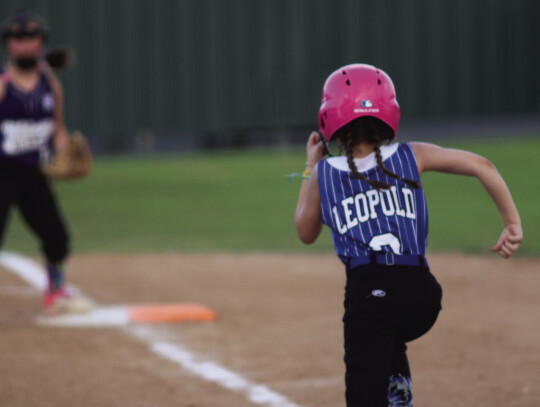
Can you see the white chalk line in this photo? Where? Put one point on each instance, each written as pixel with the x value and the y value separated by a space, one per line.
pixel 25 268
pixel 210 371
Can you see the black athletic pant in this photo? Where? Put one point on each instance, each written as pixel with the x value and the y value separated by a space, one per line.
pixel 28 189
pixel 385 307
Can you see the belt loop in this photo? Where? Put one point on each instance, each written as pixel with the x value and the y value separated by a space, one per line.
pixel 391 262
pixel 373 258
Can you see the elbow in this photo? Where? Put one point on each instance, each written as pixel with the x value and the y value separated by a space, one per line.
pixel 482 166
pixel 307 238
pixel 306 234
pixel 486 164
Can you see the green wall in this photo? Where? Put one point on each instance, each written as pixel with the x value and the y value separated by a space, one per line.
pixel 176 66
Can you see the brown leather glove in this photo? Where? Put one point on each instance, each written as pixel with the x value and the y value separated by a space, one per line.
pixel 73 162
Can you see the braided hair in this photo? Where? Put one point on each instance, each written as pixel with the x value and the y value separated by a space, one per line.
pixel 376 132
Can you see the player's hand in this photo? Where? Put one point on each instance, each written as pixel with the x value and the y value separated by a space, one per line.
pixel 314 148
pixel 509 242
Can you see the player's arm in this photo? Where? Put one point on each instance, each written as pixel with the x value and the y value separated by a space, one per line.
pixel 61 136
pixel 434 158
pixel 2 89
pixel 308 216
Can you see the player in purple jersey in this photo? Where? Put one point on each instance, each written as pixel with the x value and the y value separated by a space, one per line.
pixel 373 201
pixel 31 124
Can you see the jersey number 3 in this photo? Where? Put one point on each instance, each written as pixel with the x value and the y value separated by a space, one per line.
pixel 386 239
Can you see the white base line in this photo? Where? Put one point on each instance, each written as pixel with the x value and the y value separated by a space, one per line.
pixel 207 370
pixel 25 268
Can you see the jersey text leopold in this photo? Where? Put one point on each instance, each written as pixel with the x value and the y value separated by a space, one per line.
pixel 367 205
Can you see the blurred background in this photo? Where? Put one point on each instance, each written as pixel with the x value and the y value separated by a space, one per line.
pixel 177 74
pixel 230 90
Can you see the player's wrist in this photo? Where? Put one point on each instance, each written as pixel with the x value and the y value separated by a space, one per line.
pixel 306 175
pixel 512 222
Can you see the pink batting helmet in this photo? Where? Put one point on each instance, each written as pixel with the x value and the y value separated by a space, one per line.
pixel 354 91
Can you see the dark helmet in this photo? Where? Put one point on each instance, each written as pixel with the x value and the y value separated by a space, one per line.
pixel 23 24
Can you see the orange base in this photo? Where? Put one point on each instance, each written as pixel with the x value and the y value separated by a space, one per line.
pixel 171 313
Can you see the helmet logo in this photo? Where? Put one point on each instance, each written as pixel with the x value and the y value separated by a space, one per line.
pixel 366 107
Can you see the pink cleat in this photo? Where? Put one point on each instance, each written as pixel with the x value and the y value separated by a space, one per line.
pixel 65 301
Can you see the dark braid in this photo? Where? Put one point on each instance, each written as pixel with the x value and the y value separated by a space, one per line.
pixel 376 132
pixel 350 141
pixel 412 183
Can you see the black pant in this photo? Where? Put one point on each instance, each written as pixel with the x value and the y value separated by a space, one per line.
pixel 385 307
pixel 27 188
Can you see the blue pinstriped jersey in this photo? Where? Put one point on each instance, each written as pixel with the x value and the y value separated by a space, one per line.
pixel 365 220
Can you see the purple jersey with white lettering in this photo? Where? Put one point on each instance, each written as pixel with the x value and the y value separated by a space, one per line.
pixel 365 220
pixel 26 122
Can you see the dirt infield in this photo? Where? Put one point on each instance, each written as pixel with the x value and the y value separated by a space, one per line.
pixel 279 326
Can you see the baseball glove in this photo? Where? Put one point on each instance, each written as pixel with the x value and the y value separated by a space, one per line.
pixel 73 162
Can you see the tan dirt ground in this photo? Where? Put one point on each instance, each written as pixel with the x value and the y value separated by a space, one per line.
pixel 279 325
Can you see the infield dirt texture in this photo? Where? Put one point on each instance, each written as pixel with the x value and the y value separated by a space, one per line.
pixel 279 326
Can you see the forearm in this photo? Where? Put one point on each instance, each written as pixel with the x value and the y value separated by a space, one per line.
pixel 61 135
pixel 308 218
pixel 61 138
pixel 499 192
pixel 302 197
